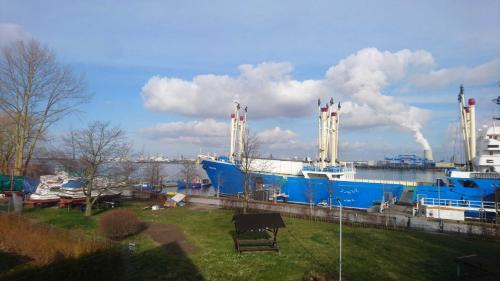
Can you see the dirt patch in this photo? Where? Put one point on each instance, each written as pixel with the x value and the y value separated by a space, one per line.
pixel 201 207
pixel 170 237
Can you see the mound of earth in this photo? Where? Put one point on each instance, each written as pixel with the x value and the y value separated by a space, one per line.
pixel 170 237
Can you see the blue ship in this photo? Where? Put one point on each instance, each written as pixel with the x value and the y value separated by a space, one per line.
pixel 331 182
pixel 228 179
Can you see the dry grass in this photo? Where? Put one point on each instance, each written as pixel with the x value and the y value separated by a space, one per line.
pixel 42 243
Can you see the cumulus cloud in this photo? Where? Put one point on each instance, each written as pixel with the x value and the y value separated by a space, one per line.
pixel 211 133
pixel 206 131
pixel 359 81
pixel 267 89
pixel 10 33
pixel 279 139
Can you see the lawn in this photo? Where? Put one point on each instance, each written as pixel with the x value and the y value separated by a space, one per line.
pixel 306 246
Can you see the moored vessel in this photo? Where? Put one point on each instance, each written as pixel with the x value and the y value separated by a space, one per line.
pixel 330 182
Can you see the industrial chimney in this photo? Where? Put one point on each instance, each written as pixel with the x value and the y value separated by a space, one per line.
pixel 428 155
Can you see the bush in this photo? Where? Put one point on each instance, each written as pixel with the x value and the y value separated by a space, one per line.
pixel 120 224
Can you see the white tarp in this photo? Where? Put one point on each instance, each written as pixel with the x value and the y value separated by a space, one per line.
pixel 178 197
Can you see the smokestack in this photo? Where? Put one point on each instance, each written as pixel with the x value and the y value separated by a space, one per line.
pixel 428 155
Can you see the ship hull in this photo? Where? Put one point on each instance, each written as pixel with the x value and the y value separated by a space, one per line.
pixel 228 179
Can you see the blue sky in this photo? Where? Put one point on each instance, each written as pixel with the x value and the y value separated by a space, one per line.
pixel 293 52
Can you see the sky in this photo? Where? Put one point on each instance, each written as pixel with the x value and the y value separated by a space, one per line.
pixel 168 72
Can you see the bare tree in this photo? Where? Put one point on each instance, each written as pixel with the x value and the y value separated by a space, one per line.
pixel 93 147
pixel 188 172
pixel 250 152
pixel 35 92
pixel 7 144
pixel 126 169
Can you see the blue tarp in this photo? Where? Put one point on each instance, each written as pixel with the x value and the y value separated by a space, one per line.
pixel 25 184
pixel 30 184
pixel 74 184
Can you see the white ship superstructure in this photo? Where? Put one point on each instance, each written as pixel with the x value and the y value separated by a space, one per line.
pixel 489 151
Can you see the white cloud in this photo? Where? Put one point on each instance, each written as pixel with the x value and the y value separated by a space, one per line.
pixel 207 131
pixel 363 76
pixel 481 74
pixel 266 89
pixel 210 133
pixel 279 139
pixel 358 80
pixel 10 33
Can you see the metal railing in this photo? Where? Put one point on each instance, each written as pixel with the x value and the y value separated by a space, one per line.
pixel 331 169
pixel 466 204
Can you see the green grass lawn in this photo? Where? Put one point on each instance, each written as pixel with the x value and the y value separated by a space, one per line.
pixel 306 246
pixel 65 218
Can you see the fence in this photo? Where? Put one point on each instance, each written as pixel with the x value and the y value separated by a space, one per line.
pixel 358 217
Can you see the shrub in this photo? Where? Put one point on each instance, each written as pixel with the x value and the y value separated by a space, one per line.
pixel 120 224
pixel 42 243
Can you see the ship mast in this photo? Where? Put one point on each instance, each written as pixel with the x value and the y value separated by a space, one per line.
pixel 242 127
pixel 468 125
pixel 237 132
pixel 334 133
pixel 328 137
pixel 323 134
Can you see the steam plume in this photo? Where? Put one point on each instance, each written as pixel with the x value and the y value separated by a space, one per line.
pixel 362 77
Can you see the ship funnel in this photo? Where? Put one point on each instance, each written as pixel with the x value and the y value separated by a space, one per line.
pixel 428 155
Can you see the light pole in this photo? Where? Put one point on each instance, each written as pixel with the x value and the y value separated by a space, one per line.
pixel 340 234
pixel 439 198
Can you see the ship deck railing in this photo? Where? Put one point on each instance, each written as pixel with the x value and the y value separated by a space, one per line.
pixel 409 185
pixel 489 206
pixel 478 175
pixel 329 169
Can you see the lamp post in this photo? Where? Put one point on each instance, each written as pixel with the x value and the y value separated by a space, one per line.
pixel 439 198
pixel 340 242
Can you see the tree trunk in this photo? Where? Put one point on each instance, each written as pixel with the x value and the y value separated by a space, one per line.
pixel 88 206
pixel 18 164
pixel 19 150
pixel 245 203
pixel 245 195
